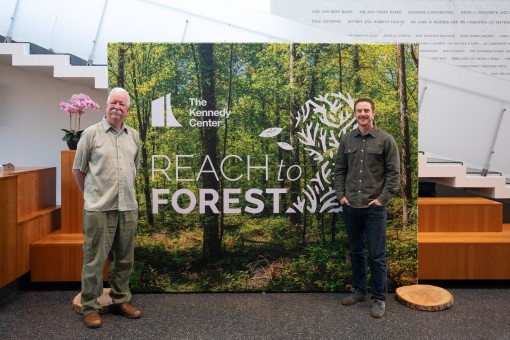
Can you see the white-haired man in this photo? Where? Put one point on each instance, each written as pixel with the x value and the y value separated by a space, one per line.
pixel 105 168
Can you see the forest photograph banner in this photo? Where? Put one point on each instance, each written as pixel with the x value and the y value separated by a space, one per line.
pixel 238 142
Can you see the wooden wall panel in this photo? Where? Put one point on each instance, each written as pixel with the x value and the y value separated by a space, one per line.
pixel 8 214
pixel 71 196
pixel 459 214
pixel 36 190
pixel 489 261
pixel 31 231
pixel 27 213
pixel 56 263
pixel 58 258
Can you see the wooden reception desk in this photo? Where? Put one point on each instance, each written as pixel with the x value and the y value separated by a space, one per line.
pixel 27 213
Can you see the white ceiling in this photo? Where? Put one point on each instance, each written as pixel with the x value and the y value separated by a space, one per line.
pixel 72 26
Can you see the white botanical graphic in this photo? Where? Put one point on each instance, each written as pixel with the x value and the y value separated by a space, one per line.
pixel 285 146
pixel 271 132
pixel 320 123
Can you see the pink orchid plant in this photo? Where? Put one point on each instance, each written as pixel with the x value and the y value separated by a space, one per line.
pixel 76 108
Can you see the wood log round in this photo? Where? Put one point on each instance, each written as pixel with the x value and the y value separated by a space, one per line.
pixel 105 300
pixel 424 297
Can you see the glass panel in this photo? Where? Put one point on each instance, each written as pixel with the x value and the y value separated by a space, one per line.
pixel 71 26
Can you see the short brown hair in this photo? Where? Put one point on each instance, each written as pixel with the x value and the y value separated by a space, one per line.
pixel 368 100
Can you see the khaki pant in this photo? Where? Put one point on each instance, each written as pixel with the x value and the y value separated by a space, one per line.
pixel 107 233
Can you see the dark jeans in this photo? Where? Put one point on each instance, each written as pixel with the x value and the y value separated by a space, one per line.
pixel 367 225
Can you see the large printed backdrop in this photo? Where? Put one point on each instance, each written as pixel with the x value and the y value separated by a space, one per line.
pixel 238 145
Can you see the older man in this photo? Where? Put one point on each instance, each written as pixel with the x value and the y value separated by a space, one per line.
pixel 105 167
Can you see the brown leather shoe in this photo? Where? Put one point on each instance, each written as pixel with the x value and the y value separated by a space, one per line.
pixel 129 311
pixel 92 320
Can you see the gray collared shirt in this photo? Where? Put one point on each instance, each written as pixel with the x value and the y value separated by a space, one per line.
pixel 367 167
pixel 110 161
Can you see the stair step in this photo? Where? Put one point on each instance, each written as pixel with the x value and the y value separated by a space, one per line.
pixel 464 256
pixel 58 237
pixel 458 175
pixel 459 214
pixel 479 172
pixel 33 215
pixel 502 237
pixel 442 161
pixel 60 66
pixel 58 257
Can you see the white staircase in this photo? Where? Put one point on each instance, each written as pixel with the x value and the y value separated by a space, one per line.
pixel 455 174
pixel 55 65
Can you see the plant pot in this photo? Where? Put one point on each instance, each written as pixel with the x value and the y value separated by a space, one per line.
pixel 73 142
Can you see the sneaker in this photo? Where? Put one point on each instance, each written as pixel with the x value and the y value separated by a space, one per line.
pixel 378 309
pixel 354 298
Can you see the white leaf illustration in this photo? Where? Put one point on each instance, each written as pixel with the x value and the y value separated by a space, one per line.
pixel 271 132
pixel 285 146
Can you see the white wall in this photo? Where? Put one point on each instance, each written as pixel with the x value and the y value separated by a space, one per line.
pixel 460 116
pixel 30 117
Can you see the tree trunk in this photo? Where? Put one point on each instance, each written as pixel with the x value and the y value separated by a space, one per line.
pixel 120 76
pixel 143 123
pixel 415 55
pixel 225 136
pixel 295 186
pixel 283 202
pixel 356 68
pixel 312 94
pixel 340 67
pixel 211 242
pixel 405 160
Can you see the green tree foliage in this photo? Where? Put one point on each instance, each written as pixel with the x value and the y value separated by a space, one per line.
pixel 261 85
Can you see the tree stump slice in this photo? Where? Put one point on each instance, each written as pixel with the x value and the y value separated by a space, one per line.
pixel 105 300
pixel 424 297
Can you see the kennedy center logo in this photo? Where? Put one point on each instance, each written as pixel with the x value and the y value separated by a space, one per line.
pixel 198 113
pixel 158 112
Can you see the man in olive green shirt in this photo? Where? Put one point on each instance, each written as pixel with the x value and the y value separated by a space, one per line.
pixel 105 167
pixel 367 176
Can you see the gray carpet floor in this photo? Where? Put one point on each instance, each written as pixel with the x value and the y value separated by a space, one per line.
pixel 476 314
